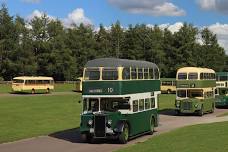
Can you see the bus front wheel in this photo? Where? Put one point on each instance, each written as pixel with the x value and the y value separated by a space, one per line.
pixel 85 137
pixel 48 90
pixel 33 91
pixel 201 112
pixel 124 135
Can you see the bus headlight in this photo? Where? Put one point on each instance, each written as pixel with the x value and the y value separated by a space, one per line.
pixel 109 123
pixel 196 105
pixel 90 122
pixel 177 103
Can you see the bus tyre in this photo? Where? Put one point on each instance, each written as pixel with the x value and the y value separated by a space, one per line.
pixel 200 113
pixel 48 90
pixel 152 126
pixel 177 112
pixel 33 91
pixel 123 137
pixel 85 137
pixel 212 108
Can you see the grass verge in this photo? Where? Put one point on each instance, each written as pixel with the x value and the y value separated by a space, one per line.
pixel 29 116
pixel 198 138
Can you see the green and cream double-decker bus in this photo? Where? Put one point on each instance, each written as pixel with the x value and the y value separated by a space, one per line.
pixel 119 99
pixel 195 90
pixel 221 89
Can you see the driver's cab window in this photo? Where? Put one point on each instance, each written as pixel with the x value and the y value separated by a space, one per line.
pixel 90 105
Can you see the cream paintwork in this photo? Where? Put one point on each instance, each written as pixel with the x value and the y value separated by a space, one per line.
pixel 30 87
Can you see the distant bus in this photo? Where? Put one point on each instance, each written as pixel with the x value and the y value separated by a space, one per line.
pixel 32 84
pixel 119 99
pixel 195 90
pixel 78 84
pixel 221 89
pixel 168 85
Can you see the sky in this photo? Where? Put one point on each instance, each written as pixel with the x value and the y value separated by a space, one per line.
pixel 165 13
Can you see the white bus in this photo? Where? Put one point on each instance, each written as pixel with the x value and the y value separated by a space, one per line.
pixel 32 84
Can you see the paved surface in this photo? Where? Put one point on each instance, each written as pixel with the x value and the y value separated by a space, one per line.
pixel 69 141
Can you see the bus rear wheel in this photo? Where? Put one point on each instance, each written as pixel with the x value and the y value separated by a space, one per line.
pixel 124 135
pixel 152 126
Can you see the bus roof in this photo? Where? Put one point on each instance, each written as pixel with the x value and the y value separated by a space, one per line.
pixel 33 78
pixel 195 69
pixel 114 62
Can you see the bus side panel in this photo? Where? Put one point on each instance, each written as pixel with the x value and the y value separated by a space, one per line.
pixel 140 121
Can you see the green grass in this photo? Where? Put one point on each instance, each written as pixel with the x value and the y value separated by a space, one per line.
pixel 166 101
pixel 67 87
pixel 6 88
pixel 198 138
pixel 29 116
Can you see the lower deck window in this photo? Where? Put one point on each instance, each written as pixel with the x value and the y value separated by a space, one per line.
pixel 141 104
pixel 135 105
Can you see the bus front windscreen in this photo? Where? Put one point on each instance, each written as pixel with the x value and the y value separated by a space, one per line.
pixel 92 74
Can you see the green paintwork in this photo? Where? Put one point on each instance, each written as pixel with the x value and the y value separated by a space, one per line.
pixel 195 83
pixel 137 122
pixel 196 104
pixel 119 87
pixel 168 79
pixel 221 101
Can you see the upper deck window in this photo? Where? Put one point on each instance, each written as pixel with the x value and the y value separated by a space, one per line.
pixel 133 73
pixel 18 81
pixel 109 74
pixel 146 73
pixel 156 73
pixel 182 76
pixel 140 73
pixel 126 73
pixel 92 74
pixel 193 76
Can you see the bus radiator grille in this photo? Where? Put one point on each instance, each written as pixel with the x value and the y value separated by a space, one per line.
pixel 187 105
pixel 99 126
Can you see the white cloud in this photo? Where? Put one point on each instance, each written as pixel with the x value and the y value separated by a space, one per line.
pixel 171 27
pixel 214 5
pixel 221 30
pixel 37 13
pixel 149 7
pixel 76 17
pixel 31 1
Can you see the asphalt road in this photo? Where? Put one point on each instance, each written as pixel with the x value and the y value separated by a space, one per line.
pixel 69 141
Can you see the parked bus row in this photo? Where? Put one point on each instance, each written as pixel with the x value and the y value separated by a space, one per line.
pixel 120 97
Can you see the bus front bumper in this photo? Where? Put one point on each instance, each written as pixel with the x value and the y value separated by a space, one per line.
pixel 187 107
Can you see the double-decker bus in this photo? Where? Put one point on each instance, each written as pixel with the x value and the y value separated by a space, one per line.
pixel 221 89
pixel 32 84
pixel 119 99
pixel 195 90
pixel 168 85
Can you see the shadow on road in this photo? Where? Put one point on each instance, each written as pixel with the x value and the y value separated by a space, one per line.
pixel 71 135
pixel 169 112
